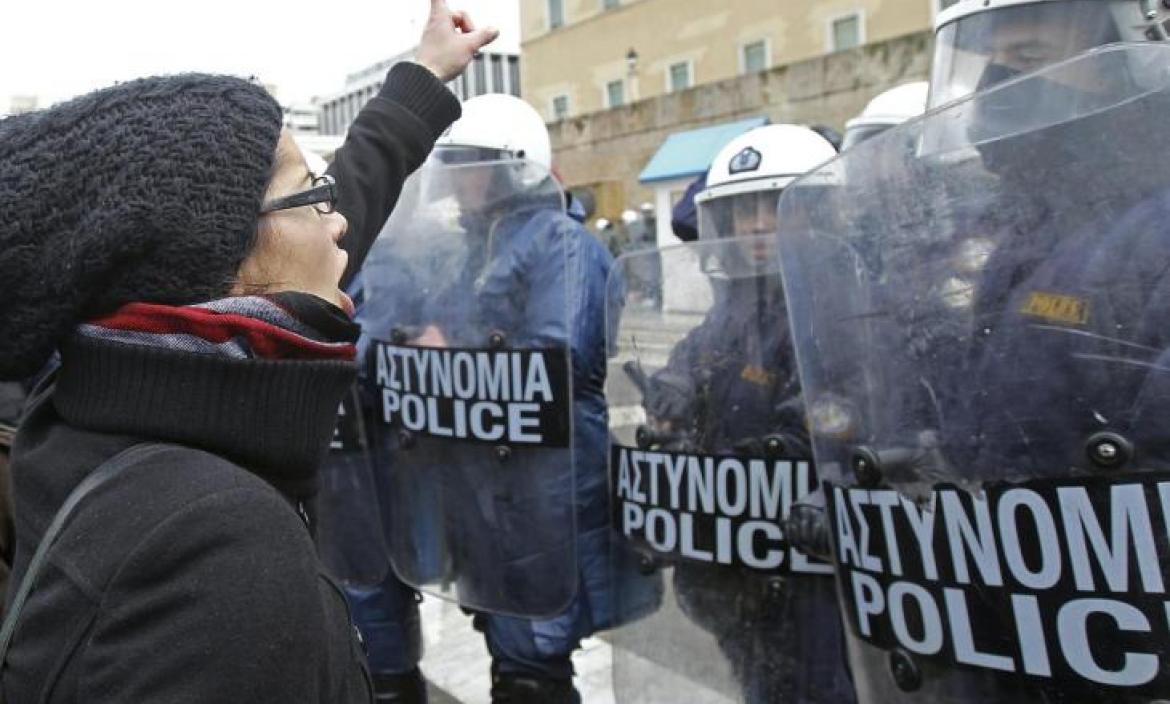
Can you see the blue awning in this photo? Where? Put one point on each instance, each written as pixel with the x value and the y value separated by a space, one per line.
pixel 688 154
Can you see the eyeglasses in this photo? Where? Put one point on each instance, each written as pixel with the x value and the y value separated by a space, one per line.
pixel 322 196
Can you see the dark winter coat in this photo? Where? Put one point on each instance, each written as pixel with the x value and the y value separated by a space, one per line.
pixel 192 577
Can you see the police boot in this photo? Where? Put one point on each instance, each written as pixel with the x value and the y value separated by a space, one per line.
pixel 521 689
pixel 405 688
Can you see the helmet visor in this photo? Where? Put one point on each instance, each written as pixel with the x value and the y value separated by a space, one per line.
pixel 747 221
pixel 979 50
pixel 455 154
pixel 738 215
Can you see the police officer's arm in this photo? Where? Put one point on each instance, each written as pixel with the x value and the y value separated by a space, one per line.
pixel 670 394
pixel 565 270
pixel 1150 411
pixel 521 292
pixel 589 268
pixel 395 131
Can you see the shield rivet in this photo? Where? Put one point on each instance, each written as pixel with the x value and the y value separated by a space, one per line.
pixel 503 453
pixel 405 439
pixel 905 671
pixel 646 565
pixel 398 336
pixel 1108 450
pixel 773 446
pixel 866 467
pixel 497 340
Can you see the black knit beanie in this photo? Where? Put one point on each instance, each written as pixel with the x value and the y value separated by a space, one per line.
pixel 146 191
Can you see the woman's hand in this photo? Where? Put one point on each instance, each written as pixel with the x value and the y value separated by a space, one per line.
pixel 450 40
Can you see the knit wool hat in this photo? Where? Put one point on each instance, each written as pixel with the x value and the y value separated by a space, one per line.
pixel 148 191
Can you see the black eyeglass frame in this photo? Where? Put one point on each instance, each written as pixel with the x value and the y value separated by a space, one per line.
pixel 322 196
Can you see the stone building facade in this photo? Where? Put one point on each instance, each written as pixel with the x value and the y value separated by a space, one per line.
pixel 490 71
pixel 604 152
pixel 583 56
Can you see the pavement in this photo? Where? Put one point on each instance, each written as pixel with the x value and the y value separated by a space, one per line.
pixel 457 666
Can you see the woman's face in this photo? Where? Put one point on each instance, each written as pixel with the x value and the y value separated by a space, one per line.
pixel 296 249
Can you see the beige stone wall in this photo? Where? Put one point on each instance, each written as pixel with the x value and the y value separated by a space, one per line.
pixel 607 150
pixel 580 58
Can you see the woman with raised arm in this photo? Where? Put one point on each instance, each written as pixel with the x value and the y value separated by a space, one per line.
pixel 166 237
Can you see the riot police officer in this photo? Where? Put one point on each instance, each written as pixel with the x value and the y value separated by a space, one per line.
pixel 483 306
pixel 1000 366
pixel 979 44
pixel 726 402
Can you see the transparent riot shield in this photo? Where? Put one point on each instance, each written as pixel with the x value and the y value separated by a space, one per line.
pixel 347 521
pixel 980 312
pixel 710 452
pixel 468 368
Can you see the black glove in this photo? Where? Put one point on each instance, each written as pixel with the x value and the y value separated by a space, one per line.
pixel 669 396
pixel 807 526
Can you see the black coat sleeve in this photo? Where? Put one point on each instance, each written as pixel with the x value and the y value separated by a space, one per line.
pixel 391 137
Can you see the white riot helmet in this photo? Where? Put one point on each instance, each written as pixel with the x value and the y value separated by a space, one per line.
pixel 888 109
pixel 743 192
pixel 979 43
pixel 497 126
pixel 497 151
pixel 745 180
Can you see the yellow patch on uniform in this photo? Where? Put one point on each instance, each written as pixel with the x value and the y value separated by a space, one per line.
pixel 757 375
pixel 1056 308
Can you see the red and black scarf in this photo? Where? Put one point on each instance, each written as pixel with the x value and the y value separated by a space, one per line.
pixel 288 326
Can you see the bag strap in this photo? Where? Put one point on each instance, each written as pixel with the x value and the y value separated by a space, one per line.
pixel 104 473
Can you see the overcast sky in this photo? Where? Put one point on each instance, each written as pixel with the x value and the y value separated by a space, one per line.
pixel 59 48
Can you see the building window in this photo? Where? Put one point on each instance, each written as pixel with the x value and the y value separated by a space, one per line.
pixel 610 4
pixel 479 74
pixel 497 73
pixel 846 32
pixel 459 86
pixel 514 75
pixel 615 94
pixel 940 5
pixel 556 13
pixel 560 107
pixel 754 57
pixel 679 76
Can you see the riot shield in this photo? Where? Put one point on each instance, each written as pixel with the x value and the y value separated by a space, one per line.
pixel 346 521
pixel 468 368
pixel 709 453
pixel 980 317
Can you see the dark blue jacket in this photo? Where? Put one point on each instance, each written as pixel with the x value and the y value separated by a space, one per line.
pixel 541 277
pixel 740 366
pixel 1099 364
